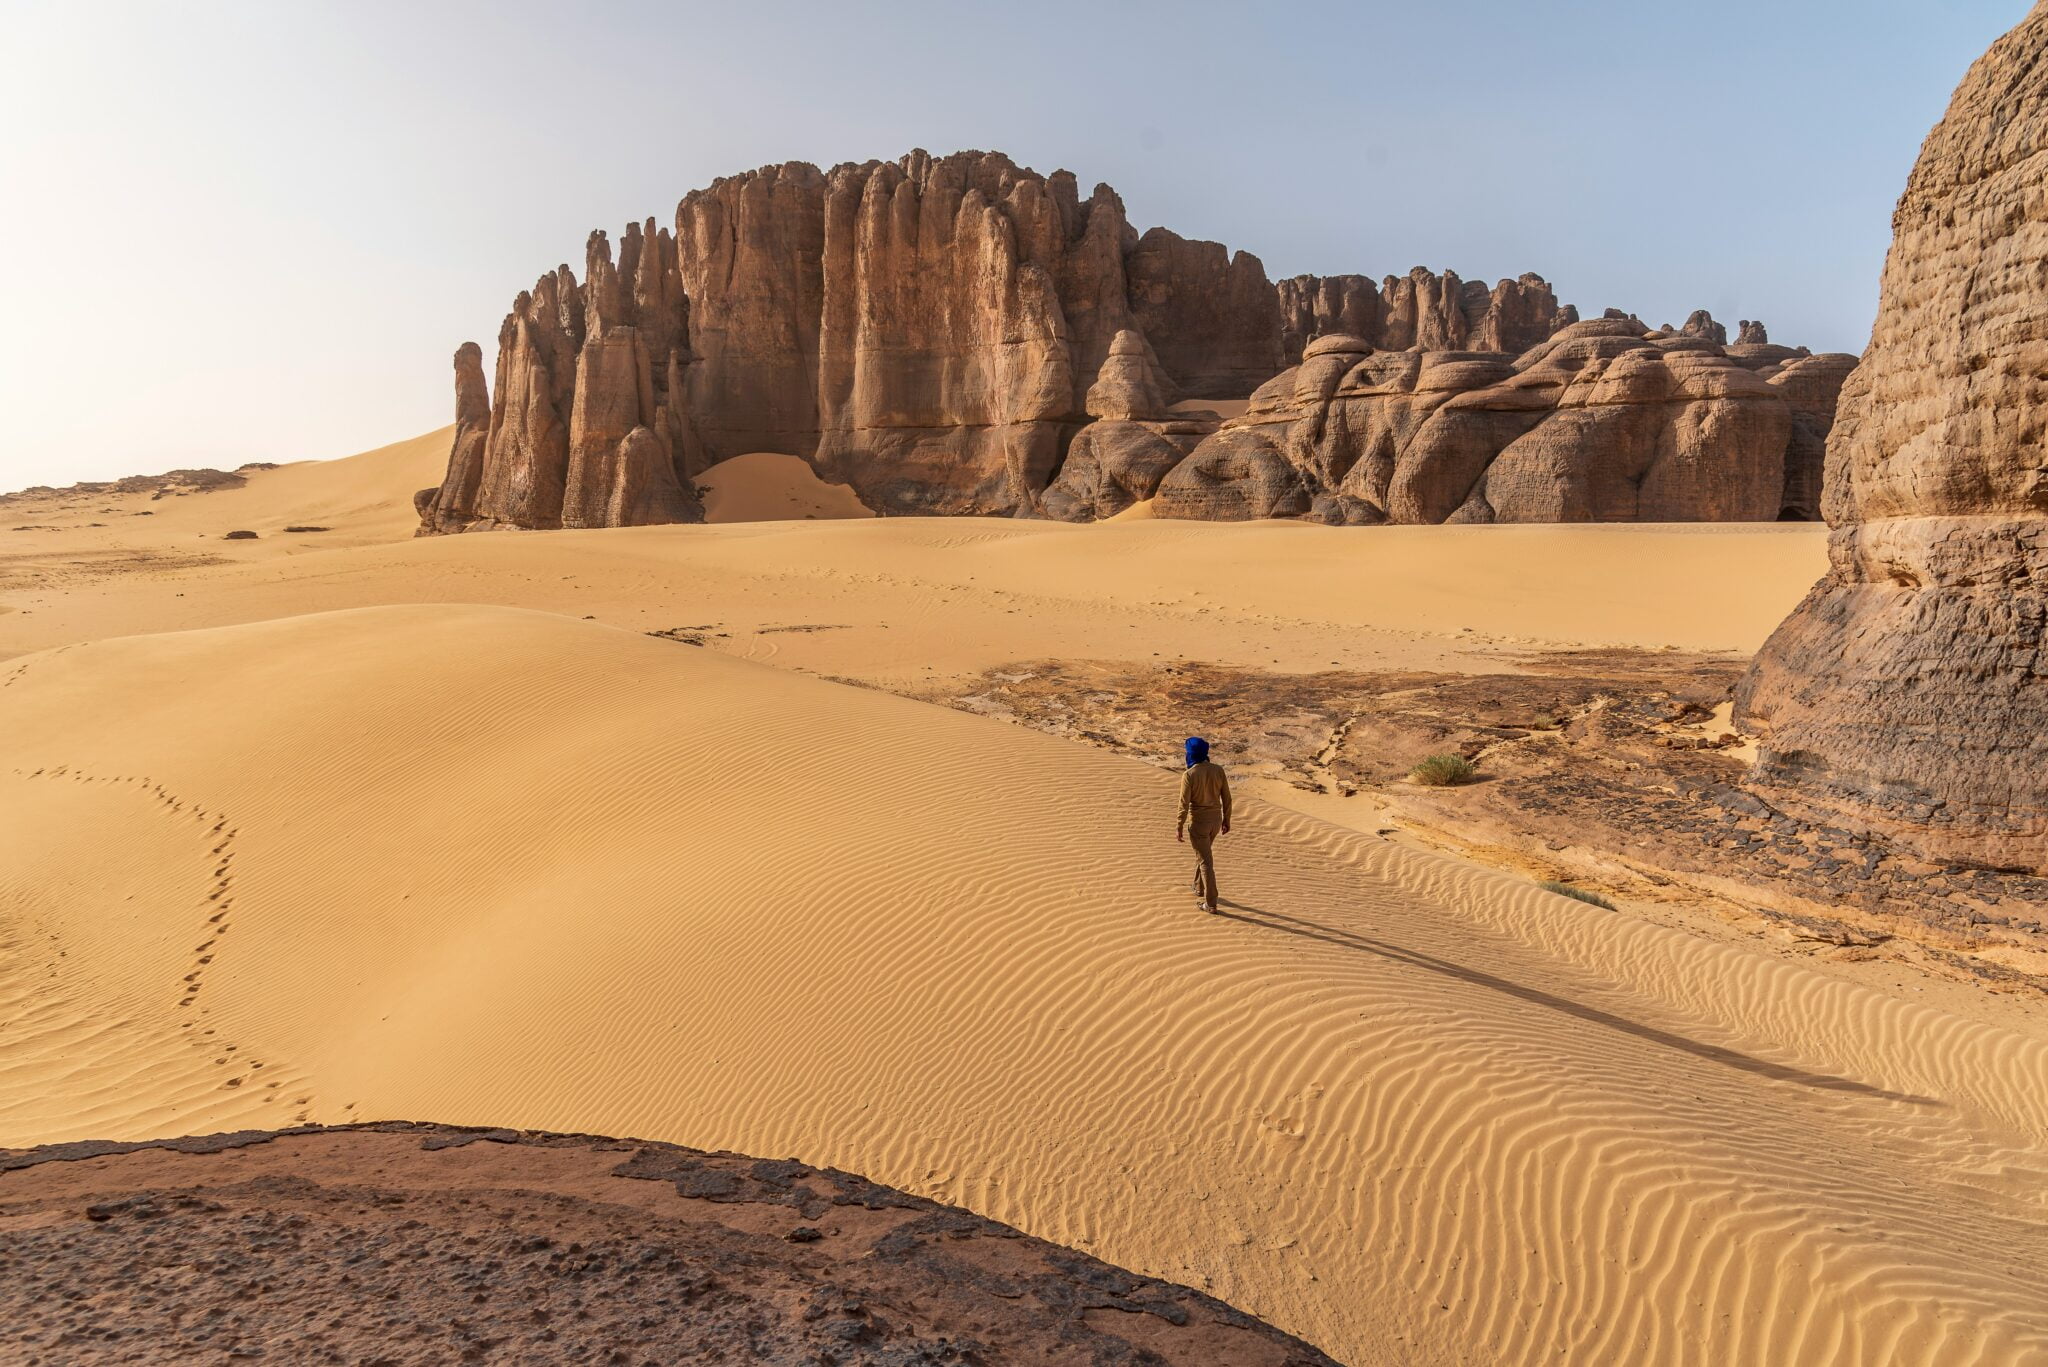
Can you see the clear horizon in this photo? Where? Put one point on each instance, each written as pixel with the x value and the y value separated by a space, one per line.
pixel 245 234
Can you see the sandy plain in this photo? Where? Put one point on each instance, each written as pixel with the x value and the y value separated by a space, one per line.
pixel 659 832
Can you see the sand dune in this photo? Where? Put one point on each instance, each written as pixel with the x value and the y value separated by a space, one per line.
pixel 482 864
pixel 767 487
pixel 358 499
pixel 909 596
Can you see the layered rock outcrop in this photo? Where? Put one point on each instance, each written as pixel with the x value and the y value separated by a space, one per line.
pixel 960 335
pixel 926 331
pixel 1604 421
pixel 1420 310
pixel 1907 696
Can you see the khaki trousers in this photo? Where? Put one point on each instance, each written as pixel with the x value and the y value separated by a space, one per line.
pixel 1202 831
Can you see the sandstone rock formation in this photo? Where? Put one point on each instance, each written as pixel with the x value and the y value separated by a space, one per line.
pixel 1604 421
pixel 949 368
pixel 1119 458
pixel 472 430
pixel 1907 696
pixel 960 335
pixel 1213 319
pixel 1812 386
pixel 1702 324
pixel 926 331
pixel 1421 309
pixel 588 413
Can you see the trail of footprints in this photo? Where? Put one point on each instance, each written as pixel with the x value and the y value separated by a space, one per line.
pixel 218 904
pixel 15 673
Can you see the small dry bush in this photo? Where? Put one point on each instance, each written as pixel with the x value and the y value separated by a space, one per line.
pixel 1443 771
pixel 1577 894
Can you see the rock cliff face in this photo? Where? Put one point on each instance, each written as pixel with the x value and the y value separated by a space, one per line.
pixel 1812 386
pixel 926 331
pixel 1213 319
pixel 960 335
pixel 1907 696
pixel 1604 421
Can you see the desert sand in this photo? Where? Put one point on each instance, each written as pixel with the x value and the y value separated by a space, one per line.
pixel 765 486
pixel 346 826
pixel 903 594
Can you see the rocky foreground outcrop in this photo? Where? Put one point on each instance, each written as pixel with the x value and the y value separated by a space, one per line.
pixel 962 335
pixel 1603 420
pixel 1907 696
pixel 399 1243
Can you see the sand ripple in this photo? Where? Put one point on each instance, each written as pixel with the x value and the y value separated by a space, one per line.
pixel 492 866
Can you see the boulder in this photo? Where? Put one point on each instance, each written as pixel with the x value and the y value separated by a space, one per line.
pixel 1130 383
pixel 1111 465
pixel 1237 475
pixel 1702 324
pixel 1906 697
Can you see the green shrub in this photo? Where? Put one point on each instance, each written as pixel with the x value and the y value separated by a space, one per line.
pixel 1576 894
pixel 1443 771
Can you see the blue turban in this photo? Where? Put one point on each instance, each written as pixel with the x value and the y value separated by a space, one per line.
pixel 1198 751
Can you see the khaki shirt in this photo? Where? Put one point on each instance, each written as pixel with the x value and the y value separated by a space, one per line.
pixel 1204 789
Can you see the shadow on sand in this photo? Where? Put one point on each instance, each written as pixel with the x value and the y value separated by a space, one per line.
pixel 1365 944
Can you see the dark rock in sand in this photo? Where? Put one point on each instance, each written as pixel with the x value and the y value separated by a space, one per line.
pixel 423 1243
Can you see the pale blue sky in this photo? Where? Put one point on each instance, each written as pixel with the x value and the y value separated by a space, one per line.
pixel 256 231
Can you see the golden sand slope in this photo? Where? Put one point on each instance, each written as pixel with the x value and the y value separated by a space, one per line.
pixel 360 499
pixel 489 865
pixel 766 487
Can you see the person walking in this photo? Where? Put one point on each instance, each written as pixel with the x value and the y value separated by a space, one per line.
pixel 1204 815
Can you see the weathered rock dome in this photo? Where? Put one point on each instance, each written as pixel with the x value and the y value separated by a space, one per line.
pixel 1907 696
